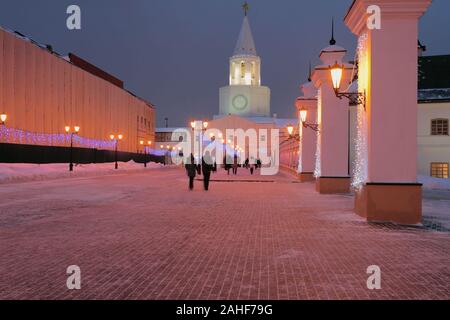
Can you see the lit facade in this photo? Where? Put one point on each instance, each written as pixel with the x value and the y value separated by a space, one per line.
pixel 42 92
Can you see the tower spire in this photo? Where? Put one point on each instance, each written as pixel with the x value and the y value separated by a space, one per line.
pixel 332 41
pixel 246 7
pixel 245 44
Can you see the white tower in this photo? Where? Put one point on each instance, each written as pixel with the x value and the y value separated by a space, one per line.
pixel 245 96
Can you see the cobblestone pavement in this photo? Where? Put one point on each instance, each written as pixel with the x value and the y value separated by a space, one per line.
pixel 145 236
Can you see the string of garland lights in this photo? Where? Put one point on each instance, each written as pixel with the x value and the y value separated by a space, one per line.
pixel 59 139
pixel 318 168
pixel 360 162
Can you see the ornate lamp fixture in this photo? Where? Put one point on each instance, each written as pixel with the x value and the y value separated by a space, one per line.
pixel 336 76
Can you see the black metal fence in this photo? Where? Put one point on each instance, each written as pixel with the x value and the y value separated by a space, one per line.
pixel 22 153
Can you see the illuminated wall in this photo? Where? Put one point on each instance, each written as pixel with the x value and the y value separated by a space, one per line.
pixel 42 93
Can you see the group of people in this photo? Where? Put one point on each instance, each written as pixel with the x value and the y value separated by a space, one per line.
pixel 208 165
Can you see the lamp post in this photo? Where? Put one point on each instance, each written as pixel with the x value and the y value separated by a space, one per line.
pixel 147 152
pixel 3 118
pixel 336 76
pixel 144 151
pixel 204 127
pixel 116 140
pixel 76 129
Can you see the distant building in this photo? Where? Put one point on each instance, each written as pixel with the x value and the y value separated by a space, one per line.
pixel 164 140
pixel 433 140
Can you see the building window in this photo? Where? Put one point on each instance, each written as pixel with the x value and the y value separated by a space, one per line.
pixel 242 70
pixel 253 71
pixel 439 170
pixel 439 127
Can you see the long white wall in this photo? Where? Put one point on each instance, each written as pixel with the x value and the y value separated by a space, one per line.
pixel 42 93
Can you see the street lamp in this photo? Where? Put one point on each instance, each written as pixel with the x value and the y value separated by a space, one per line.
pixel 303 115
pixel 337 71
pixel 141 142
pixel 116 140
pixel 3 118
pixel 149 143
pixel 147 152
pixel 204 126
pixel 76 129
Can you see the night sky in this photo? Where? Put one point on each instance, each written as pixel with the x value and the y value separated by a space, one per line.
pixel 175 53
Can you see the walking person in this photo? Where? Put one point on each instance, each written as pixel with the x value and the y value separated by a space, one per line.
pixel 252 166
pixel 207 167
pixel 235 164
pixel 228 164
pixel 191 170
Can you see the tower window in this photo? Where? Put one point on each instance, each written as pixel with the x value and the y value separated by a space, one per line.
pixel 439 127
pixel 439 170
pixel 242 70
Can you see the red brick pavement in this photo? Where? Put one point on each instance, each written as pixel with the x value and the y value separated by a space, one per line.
pixel 145 236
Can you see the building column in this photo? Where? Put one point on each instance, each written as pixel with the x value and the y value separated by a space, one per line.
pixel 308 137
pixel 332 160
pixel 386 168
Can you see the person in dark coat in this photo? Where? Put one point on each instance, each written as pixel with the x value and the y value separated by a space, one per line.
pixel 235 164
pixel 252 166
pixel 191 170
pixel 227 160
pixel 207 167
pixel 258 163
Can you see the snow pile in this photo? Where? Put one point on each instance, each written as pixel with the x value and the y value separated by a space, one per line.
pixel 18 172
pixel 434 183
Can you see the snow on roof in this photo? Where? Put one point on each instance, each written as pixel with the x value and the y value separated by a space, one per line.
pixel 278 122
pixel 245 44
pixel 333 48
pixel 434 95
pixel 168 130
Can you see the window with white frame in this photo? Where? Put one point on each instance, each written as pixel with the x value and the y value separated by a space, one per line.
pixel 439 127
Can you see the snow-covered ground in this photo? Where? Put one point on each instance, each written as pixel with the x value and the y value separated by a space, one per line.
pixel 434 183
pixel 436 203
pixel 436 192
pixel 20 172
